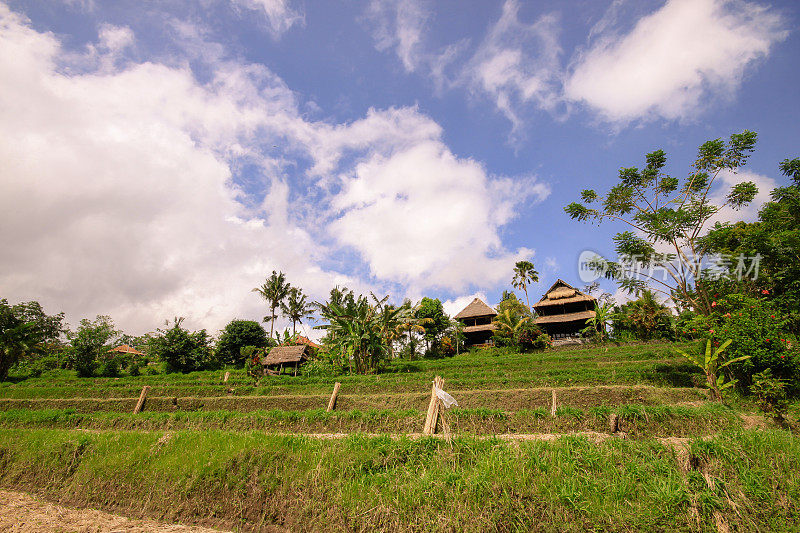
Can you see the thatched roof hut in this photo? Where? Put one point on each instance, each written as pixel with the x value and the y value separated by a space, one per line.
pixel 477 319
pixel 564 310
pixel 281 357
pixel 124 348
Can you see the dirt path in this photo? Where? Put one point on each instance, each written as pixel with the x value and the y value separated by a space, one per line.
pixel 22 513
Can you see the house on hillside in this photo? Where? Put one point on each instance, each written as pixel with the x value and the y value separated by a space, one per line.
pixel 563 310
pixel 286 356
pixel 477 319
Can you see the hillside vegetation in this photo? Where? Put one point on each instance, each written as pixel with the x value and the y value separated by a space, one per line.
pixel 269 455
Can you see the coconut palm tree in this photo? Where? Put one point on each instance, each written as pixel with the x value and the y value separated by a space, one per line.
pixel 296 307
pixel 509 324
pixel 524 275
pixel 274 291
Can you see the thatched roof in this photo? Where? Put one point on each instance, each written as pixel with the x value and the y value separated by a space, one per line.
pixel 124 348
pixel 475 309
pixel 480 327
pixel 286 354
pixel 562 293
pixel 566 317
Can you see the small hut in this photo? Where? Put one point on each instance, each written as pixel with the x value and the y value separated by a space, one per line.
pixel 287 356
pixel 126 349
pixel 477 319
pixel 563 310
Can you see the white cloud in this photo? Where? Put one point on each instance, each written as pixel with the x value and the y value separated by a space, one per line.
pixel 674 60
pixel 279 14
pixel 518 64
pixel 399 24
pixel 119 191
pixel 422 216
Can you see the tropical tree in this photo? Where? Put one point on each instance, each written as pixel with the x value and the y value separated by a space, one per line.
pixel 663 211
pixel 603 315
pixel 25 330
pixel 183 351
pixel 646 317
pixel 524 275
pixel 508 326
pixel 90 344
pixel 712 364
pixel 273 291
pixel 296 307
pixel 357 330
pixel 430 313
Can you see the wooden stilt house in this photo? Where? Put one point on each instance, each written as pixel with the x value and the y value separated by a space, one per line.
pixel 280 358
pixel 563 310
pixel 477 319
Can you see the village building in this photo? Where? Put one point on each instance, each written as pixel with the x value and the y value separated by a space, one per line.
pixel 286 356
pixel 126 349
pixel 563 310
pixel 477 319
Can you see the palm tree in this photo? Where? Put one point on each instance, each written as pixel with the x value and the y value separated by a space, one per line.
pixel 524 275
pixel 274 291
pixel 508 324
pixel 296 307
pixel 604 314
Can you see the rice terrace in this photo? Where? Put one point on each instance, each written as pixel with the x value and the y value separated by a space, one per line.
pixel 399 266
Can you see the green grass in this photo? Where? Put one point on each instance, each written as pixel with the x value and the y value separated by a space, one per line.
pixel 364 483
pixel 637 420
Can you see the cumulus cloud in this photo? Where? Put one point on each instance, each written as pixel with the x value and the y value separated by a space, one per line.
pixel 122 190
pixel 424 214
pixel 673 60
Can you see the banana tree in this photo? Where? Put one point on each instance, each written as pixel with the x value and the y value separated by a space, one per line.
pixel 711 363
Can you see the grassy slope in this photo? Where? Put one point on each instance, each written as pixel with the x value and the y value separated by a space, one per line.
pixel 229 474
pixel 378 483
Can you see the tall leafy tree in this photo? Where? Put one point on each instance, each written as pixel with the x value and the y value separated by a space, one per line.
pixel 91 342
pixel 431 314
pixel 524 275
pixel 274 292
pixel 183 351
pixel 662 210
pixel 237 335
pixel 25 330
pixel 296 307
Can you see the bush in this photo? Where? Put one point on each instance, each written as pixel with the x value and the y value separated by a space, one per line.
pixel 755 329
pixel 183 351
pixel 319 368
pixel 770 394
pixel 110 368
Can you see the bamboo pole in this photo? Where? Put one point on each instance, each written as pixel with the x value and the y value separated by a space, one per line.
pixel 433 408
pixel 553 405
pixel 227 375
pixel 142 398
pixel 332 402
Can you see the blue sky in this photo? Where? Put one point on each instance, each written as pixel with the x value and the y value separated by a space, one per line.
pixel 162 160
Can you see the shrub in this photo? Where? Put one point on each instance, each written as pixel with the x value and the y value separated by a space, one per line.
pixel 755 329
pixel 110 368
pixel 319 368
pixel 181 350
pixel 770 394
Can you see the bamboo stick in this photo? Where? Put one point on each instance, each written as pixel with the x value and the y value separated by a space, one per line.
pixel 332 402
pixel 142 398
pixel 553 405
pixel 433 408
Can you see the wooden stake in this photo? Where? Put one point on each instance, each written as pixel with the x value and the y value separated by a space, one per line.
pixel 332 402
pixel 433 408
pixel 553 405
pixel 227 375
pixel 142 398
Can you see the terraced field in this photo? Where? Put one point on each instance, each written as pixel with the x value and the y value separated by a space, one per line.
pixel 236 455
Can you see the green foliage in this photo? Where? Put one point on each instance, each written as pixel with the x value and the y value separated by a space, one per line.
pixel 26 332
pixel 296 307
pixel 181 350
pixel 712 363
pixel 274 291
pixel 431 313
pixel 604 315
pixel 663 210
pixel 770 394
pixel 90 344
pixel 236 335
pixel 524 275
pixel 646 318
pixel 756 329
pixel 360 330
